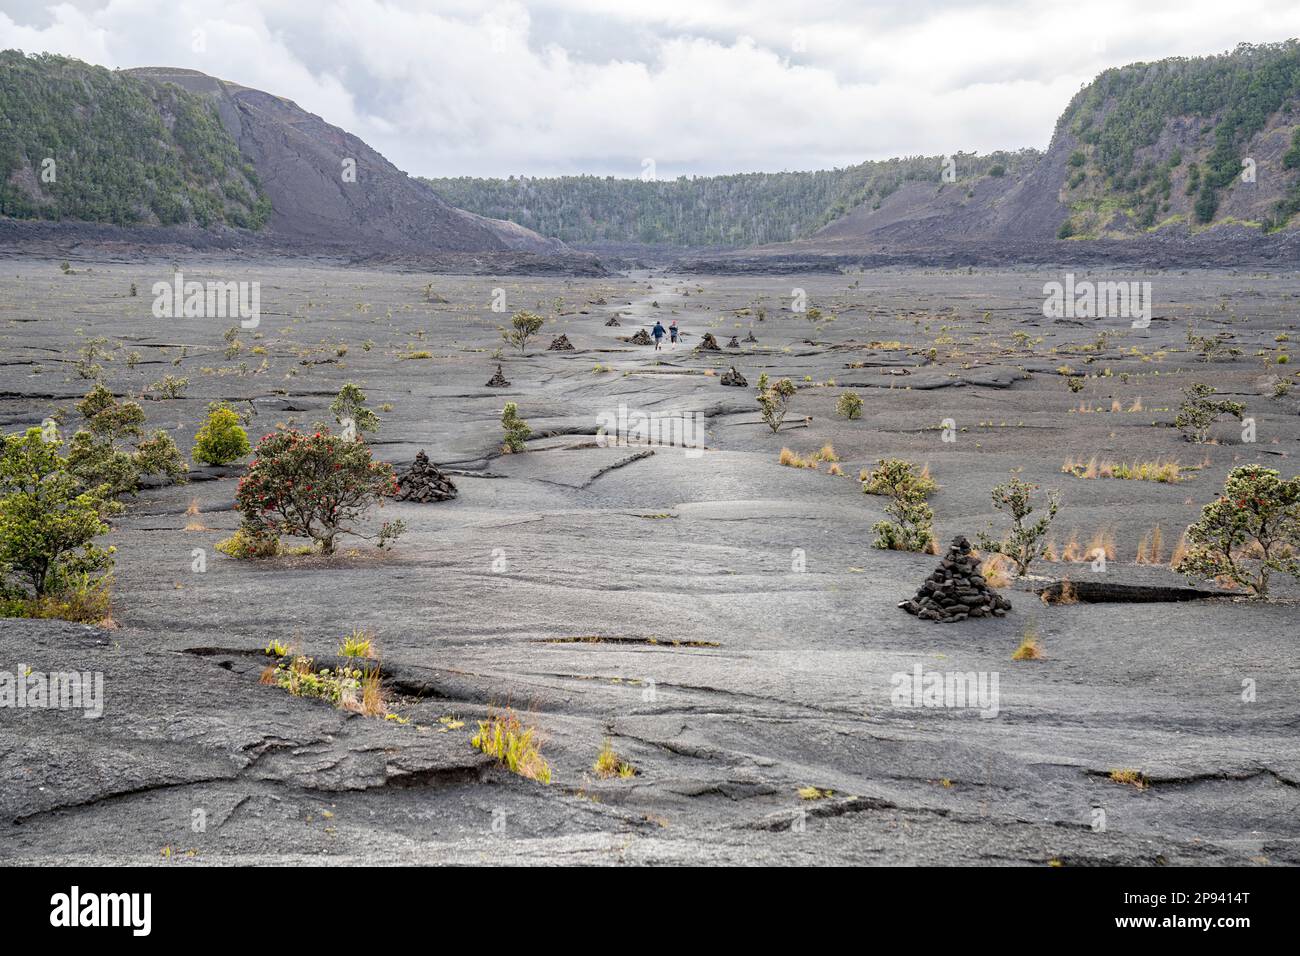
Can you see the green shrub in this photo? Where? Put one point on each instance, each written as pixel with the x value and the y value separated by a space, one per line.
pixel 849 406
pixel 221 439
pixel 1199 412
pixel 1025 543
pixel 523 326
pixel 774 400
pixel 910 524
pixel 515 428
pixel 349 406
pixel 313 486
pixel 249 543
pixel 1251 531
pixel 48 523
pixel 97 454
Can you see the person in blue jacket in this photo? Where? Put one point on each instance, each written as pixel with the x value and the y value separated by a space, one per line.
pixel 658 333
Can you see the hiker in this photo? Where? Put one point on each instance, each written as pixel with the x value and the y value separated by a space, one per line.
pixel 658 333
pixel 672 333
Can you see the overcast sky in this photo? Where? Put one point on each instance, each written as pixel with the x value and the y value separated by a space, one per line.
pixel 547 87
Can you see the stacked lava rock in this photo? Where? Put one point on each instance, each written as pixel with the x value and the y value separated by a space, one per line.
pixel 613 320
pixel 734 378
pixel 423 482
pixel 709 343
pixel 560 343
pixel 733 344
pixel 642 337
pixel 750 336
pixel 498 380
pixel 956 590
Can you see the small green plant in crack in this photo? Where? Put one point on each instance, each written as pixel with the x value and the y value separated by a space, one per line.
pixel 503 736
pixel 609 764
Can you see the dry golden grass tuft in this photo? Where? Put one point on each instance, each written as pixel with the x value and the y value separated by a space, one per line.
pixel 1064 594
pixel 996 571
pixel 1135 778
pixel 1031 647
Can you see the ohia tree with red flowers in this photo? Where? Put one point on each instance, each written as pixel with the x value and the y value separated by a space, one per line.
pixel 314 486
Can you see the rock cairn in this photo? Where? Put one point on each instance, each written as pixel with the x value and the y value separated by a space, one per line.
pixel 423 482
pixel 708 343
pixel 956 591
pixel 734 343
pixel 560 343
pixel 642 337
pixel 498 380
pixel 734 378
pixel 613 321
pixel 750 336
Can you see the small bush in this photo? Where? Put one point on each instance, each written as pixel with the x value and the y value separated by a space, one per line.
pixel 523 326
pixel 249 543
pixel 48 524
pixel 349 407
pixel 849 406
pixel 1199 411
pixel 221 439
pixel 910 524
pixel 774 400
pixel 515 428
pixel 1025 542
pixel 170 386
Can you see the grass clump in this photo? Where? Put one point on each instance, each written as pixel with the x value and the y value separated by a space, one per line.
pixel 358 644
pixel 503 736
pixel 1163 471
pixel 1031 647
pixel 1133 778
pixel 609 764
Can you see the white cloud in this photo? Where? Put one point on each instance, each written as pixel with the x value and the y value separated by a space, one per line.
pixel 553 86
